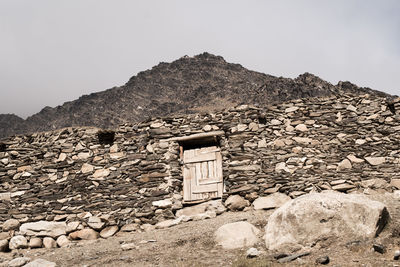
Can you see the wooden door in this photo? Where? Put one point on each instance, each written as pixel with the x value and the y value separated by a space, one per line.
pixel 202 174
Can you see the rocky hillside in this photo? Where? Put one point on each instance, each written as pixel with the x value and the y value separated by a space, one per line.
pixel 187 85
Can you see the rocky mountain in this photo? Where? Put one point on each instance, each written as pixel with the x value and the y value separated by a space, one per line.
pixel 189 84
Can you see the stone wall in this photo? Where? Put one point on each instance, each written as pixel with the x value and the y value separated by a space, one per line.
pixel 338 143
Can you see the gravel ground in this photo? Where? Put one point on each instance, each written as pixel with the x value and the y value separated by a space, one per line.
pixel 192 244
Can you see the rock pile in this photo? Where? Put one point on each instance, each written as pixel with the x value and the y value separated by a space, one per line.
pixel 91 183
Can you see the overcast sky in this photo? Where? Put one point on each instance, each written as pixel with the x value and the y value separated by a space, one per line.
pixel 55 51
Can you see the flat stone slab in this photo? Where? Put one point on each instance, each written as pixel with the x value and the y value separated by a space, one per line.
pixel 272 201
pixel 44 228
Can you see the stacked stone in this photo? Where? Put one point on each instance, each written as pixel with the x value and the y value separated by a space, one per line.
pixel 338 143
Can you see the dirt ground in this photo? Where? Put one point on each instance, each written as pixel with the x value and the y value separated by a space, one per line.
pixel 192 244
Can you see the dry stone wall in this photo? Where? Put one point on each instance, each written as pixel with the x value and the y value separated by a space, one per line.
pixel 346 143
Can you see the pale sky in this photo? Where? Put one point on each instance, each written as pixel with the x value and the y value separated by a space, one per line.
pixel 53 51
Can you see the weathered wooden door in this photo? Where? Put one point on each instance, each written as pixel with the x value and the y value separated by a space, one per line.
pixel 202 174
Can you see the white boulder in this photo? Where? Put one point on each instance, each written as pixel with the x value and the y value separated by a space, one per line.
pixel 319 216
pixel 236 235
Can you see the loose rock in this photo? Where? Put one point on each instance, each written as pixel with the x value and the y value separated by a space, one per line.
pixel 17 262
pixel 35 242
pixel 11 224
pixel 85 234
pixel 18 242
pixel 129 246
pixel 109 231
pixel 40 263
pixel 236 235
pixel 96 223
pixel 322 260
pixel 252 253
pixel 236 203
pixel 272 201
pixel 379 248
pixel 63 241
pixel 49 242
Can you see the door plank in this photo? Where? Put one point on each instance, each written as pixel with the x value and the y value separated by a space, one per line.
pixel 205 188
pixel 201 157
pixel 187 177
pixel 197 176
pixel 204 170
pixel 208 181
pixel 218 166
pixel 211 172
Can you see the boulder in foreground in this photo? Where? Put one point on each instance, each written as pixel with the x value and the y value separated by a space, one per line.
pixel 236 235
pixel 320 216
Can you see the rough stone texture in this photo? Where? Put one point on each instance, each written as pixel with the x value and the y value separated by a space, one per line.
pixel 165 203
pixel 43 228
pixel 11 224
pixel 236 203
pixel 395 183
pixel 236 235
pixel 4 245
pixel 318 216
pixel 17 242
pixel 17 262
pixel 168 223
pixel 37 186
pixel 49 242
pixel 344 164
pixel 35 242
pixel 272 201
pixel 63 241
pixel 84 234
pixel 187 84
pixel 109 231
pixel 214 205
pixel 374 161
pixel 131 227
pixel 95 223
pixel 41 263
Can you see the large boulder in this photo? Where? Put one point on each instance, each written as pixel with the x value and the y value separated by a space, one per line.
pixel 311 218
pixel 272 201
pixel 236 235
pixel 44 228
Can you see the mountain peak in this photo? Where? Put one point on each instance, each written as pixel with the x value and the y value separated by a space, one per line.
pixel 203 82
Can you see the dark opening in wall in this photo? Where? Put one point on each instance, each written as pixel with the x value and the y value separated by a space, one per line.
pixel 262 119
pixel 3 147
pixel 106 137
pixel 391 107
pixel 198 143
